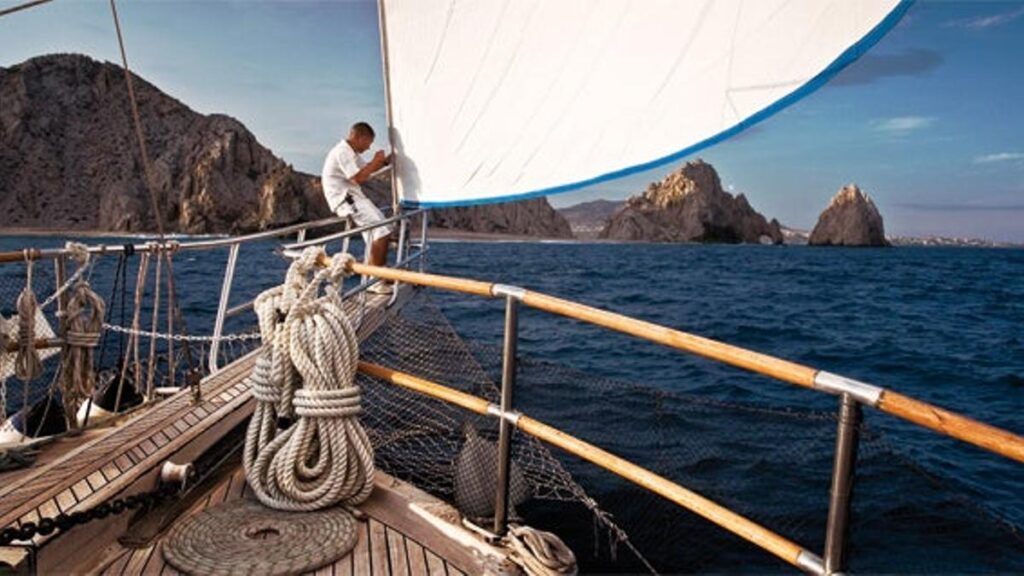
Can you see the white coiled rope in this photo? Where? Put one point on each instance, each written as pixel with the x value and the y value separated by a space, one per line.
pixel 540 553
pixel 325 458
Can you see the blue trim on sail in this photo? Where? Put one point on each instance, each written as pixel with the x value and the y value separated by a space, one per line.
pixel 849 56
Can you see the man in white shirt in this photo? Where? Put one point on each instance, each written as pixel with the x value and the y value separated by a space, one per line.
pixel 343 173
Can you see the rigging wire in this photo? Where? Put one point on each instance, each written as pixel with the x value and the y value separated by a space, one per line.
pixel 147 168
pixel 19 7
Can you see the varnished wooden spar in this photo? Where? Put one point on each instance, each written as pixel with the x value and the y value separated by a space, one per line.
pixel 40 344
pixel 735 523
pixel 740 357
pixel 991 438
pixel 951 424
pixel 761 363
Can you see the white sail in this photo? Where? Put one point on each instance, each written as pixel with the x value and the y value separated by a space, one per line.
pixel 494 100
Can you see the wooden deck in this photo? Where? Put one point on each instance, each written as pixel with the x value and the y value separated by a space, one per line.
pixel 77 473
pixel 382 548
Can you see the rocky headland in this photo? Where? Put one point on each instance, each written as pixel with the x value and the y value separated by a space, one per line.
pixel 689 205
pixel 69 160
pixel 851 219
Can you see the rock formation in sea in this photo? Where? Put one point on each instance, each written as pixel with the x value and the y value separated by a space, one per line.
pixel 69 159
pixel 689 205
pixel 851 219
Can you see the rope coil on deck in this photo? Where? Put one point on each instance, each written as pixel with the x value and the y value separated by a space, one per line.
pixel 242 537
pixel 325 458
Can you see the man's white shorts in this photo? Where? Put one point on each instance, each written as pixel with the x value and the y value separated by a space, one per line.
pixel 364 213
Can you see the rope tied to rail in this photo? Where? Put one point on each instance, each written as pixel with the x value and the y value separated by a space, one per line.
pixel 539 553
pixel 83 328
pixel 325 457
pixel 27 364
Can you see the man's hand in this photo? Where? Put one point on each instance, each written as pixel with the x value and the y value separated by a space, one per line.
pixel 379 160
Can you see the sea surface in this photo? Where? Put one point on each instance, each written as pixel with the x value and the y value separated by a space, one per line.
pixel 945 325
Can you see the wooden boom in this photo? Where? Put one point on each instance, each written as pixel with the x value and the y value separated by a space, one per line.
pixel 991 438
pixel 731 521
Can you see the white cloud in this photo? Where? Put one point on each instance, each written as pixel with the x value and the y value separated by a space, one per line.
pixel 983 22
pixel 1000 157
pixel 900 125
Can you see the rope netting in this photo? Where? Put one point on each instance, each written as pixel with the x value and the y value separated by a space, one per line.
pixel 155 358
pixel 768 462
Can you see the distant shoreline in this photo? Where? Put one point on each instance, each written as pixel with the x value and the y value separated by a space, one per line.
pixel 45 232
pixel 448 235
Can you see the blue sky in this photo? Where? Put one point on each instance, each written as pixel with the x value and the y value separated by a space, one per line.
pixel 930 122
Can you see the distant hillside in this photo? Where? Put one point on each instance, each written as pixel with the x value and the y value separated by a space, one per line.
pixel 69 160
pixel 589 218
pixel 533 217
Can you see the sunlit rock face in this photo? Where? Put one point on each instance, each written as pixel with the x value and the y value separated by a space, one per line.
pixel 851 219
pixel 689 205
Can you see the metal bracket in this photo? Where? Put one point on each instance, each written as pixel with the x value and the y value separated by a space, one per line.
pixel 810 563
pixel 516 292
pixel 512 416
pixel 835 384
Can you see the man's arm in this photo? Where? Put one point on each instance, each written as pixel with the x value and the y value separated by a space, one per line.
pixel 380 160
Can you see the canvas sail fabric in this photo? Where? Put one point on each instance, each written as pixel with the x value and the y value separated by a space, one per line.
pixel 494 100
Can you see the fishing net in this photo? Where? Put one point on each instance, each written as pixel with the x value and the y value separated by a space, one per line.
pixel 171 360
pixel 766 461
pixel 13 392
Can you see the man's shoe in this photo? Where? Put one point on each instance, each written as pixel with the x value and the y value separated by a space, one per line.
pixel 381 287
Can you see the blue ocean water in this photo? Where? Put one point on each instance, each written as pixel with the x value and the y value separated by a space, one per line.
pixel 945 325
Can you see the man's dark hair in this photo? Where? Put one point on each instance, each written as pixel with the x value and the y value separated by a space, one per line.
pixel 363 129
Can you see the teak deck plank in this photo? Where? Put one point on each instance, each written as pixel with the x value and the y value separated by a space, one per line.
pixel 396 553
pixel 417 558
pixel 435 565
pixel 361 553
pixel 102 464
pixel 379 561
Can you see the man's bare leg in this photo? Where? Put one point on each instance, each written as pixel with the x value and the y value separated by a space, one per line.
pixel 379 251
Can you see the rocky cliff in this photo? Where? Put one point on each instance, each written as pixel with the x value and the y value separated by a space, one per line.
pixel 689 205
pixel 69 160
pixel 851 219
pixel 533 217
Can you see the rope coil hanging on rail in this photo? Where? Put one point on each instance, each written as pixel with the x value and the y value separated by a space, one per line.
pixel 27 365
pixel 83 327
pixel 307 371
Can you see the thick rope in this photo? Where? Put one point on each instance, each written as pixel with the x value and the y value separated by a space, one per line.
pixel 133 338
pixel 325 458
pixel 540 553
pixel 27 365
pixel 151 366
pixel 83 327
pixel 143 152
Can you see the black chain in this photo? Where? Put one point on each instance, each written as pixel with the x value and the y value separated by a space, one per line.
pixel 203 467
pixel 64 522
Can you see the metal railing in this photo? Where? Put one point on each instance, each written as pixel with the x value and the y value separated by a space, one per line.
pixel 404 258
pixel 852 396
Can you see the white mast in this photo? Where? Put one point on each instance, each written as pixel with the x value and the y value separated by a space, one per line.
pixel 382 24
